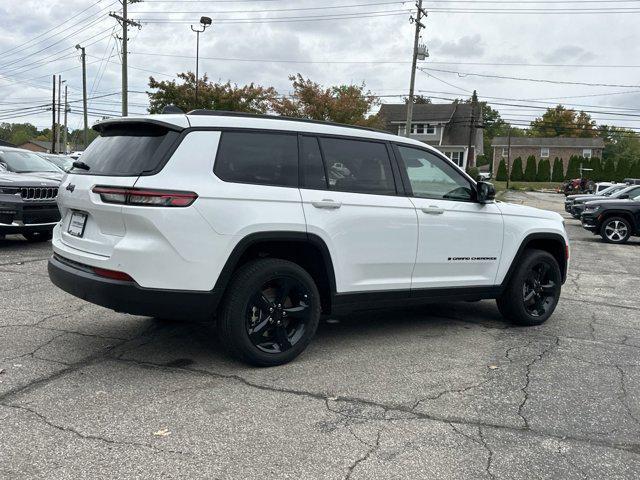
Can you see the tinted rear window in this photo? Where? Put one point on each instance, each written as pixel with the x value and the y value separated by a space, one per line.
pixel 127 150
pixel 259 158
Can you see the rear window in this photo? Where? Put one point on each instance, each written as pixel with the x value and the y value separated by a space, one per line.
pixel 258 158
pixel 127 150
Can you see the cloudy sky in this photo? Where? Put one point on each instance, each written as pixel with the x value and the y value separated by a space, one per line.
pixel 331 42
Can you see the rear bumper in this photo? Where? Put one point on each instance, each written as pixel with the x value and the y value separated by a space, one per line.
pixel 128 297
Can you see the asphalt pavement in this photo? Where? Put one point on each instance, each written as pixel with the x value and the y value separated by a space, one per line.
pixel 448 391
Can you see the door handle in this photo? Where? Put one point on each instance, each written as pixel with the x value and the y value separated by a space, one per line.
pixel 433 210
pixel 326 203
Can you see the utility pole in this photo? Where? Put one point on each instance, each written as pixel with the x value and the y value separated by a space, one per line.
pixel 471 161
pixel 414 61
pixel 59 107
pixel 64 132
pixel 508 157
pixel 83 57
pixel 125 22
pixel 53 117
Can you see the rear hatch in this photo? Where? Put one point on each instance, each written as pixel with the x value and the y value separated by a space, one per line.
pixel 124 151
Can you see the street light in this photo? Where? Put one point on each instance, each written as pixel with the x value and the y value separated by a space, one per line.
pixel 205 22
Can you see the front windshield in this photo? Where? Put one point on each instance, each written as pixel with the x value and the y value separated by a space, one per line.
pixel 623 191
pixel 26 162
pixel 62 161
pixel 609 190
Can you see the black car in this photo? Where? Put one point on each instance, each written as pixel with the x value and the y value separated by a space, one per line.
pixel 574 204
pixel 614 220
pixel 626 192
pixel 28 205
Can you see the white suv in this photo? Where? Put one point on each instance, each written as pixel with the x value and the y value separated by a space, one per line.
pixel 264 223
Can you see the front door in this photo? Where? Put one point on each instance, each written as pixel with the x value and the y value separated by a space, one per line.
pixel 460 240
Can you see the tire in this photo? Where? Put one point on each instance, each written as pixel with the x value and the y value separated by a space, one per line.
pixel 615 230
pixel 270 312
pixel 35 237
pixel 533 290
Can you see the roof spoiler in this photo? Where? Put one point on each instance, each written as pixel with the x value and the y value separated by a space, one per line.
pixel 110 122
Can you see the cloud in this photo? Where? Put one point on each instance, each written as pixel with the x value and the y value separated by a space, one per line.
pixel 465 47
pixel 568 53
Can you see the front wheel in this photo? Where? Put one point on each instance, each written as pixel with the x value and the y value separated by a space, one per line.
pixel 270 312
pixel 615 230
pixel 533 291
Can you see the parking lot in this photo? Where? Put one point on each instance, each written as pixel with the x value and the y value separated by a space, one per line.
pixel 446 391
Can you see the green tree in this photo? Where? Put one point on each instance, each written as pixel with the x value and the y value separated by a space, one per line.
pixel 473 172
pixel 623 167
pixel 530 169
pixel 609 170
pixel 563 122
pixel 544 171
pixel 18 133
pixel 573 169
pixel 596 169
pixel 501 176
pixel 635 170
pixel 215 96
pixel 516 170
pixel 558 172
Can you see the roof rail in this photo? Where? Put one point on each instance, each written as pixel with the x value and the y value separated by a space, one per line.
pixel 223 113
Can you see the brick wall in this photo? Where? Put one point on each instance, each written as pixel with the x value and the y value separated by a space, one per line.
pixel 565 153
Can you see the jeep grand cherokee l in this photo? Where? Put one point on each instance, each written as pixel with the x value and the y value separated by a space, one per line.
pixel 266 222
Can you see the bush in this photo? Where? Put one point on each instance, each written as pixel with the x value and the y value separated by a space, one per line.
pixel 544 171
pixel 516 170
pixel 473 172
pixel 558 172
pixel 530 170
pixel 573 170
pixel 634 172
pixel 501 176
pixel 482 160
pixel 622 169
pixel 596 169
pixel 609 171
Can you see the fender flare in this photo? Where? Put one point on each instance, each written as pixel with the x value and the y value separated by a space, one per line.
pixel 555 237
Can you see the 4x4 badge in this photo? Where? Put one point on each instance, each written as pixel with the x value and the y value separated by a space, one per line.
pixel 71 187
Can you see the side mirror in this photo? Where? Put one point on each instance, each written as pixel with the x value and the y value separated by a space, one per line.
pixel 485 192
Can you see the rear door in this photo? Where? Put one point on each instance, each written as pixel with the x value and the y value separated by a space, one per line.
pixel 460 240
pixel 121 153
pixel 351 202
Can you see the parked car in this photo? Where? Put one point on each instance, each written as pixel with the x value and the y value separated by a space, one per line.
pixel 614 220
pixel 27 205
pixel 17 160
pixel 63 162
pixel 265 222
pixel 574 204
pixel 484 176
pixel 632 181
pixel 600 186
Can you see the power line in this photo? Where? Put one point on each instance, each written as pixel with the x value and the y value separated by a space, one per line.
pixel 538 80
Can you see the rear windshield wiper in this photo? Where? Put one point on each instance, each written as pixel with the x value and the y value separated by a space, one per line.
pixel 81 165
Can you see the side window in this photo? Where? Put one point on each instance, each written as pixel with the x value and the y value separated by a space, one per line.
pixel 311 166
pixel 260 158
pixel 432 177
pixel 358 166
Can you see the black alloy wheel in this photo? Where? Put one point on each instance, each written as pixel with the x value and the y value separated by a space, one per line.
pixel 278 314
pixel 270 312
pixel 540 289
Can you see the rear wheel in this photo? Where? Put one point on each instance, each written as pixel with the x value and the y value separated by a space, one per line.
pixel 37 236
pixel 615 230
pixel 533 291
pixel 270 312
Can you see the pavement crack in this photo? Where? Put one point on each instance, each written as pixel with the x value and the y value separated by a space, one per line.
pixel 44 419
pixel 372 449
pixel 625 395
pixel 489 453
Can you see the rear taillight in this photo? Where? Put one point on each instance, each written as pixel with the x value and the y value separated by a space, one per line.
pixel 112 274
pixel 144 197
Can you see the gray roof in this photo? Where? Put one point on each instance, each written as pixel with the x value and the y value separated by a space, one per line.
pixel 422 112
pixel 456 118
pixel 556 142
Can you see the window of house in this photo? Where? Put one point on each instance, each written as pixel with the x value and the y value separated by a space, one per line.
pixel 430 129
pixel 432 177
pixel 358 166
pixel 544 152
pixel 417 128
pixel 259 158
pixel 423 128
pixel 586 153
pixel 458 158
